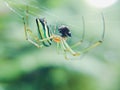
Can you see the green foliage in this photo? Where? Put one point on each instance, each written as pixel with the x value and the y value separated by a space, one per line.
pixel 52 78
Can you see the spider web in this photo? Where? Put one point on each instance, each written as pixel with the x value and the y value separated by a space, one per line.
pixel 19 7
pixel 37 10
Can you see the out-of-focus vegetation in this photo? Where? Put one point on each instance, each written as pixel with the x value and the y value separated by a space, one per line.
pixel 25 67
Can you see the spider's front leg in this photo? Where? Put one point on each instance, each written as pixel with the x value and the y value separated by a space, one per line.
pixel 83 35
pixel 98 42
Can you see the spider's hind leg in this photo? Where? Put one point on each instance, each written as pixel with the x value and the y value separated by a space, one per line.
pixel 68 48
pixel 28 32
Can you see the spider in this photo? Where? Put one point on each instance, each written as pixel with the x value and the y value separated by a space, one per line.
pixel 46 36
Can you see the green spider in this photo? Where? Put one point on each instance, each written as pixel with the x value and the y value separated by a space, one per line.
pixel 46 36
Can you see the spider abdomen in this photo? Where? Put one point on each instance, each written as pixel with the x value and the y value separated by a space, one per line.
pixel 44 31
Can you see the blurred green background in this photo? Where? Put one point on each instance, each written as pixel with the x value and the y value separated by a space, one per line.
pixel 25 67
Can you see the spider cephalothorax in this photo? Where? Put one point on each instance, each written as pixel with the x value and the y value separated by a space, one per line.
pixel 65 32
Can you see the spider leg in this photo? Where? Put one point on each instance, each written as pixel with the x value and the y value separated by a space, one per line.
pixel 95 44
pixel 27 30
pixel 91 47
pixel 64 49
pixel 98 42
pixel 68 48
pixel 83 35
pixel 57 48
pixel 76 44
